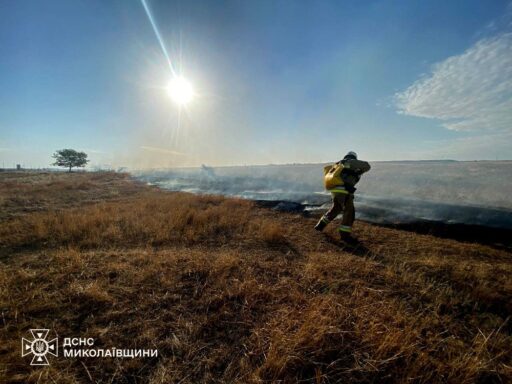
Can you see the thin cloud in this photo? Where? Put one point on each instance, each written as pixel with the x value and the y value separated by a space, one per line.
pixel 471 91
pixel 95 151
pixel 162 150
pixel 491 146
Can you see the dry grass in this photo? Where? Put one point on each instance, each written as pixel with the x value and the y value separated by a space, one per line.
pixel 24 192
pixel 228 292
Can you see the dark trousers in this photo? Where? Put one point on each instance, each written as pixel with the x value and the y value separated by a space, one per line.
pixel 342 202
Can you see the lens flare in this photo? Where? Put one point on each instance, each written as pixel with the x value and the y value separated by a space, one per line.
pixel 158 36
pixel 180 91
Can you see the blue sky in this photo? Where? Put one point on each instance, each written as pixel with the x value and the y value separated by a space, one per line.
pixel 275 81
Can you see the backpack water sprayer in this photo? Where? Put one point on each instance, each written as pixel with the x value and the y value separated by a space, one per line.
pixel 332 176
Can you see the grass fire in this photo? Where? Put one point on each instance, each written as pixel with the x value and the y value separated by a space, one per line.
pixel 228 291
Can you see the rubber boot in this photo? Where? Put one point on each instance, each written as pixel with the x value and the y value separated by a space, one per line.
pixel 347 238
pixel 320 225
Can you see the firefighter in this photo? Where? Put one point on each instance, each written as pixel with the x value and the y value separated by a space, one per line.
pixel 340 179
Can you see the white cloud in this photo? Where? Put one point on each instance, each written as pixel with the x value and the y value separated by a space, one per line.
pixel 471 91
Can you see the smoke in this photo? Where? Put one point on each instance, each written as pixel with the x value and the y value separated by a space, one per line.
pixel 162 151
pixel 392 192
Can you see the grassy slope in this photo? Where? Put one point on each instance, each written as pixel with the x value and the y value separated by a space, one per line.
pixel 228 292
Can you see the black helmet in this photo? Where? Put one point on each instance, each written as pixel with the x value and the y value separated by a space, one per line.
pixel 351 155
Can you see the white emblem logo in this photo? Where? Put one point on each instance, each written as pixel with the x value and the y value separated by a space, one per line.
pixel 39 346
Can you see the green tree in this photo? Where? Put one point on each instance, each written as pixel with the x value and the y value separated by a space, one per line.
pixel 70 158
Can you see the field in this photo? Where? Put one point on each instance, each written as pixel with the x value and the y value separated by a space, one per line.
pixel 229 292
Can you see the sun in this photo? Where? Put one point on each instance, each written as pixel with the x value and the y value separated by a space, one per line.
pixel 180 91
